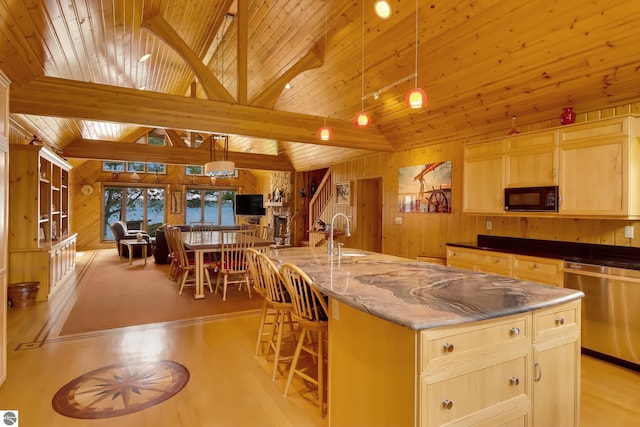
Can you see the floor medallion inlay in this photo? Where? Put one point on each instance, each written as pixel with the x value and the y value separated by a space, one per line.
pixel 120 389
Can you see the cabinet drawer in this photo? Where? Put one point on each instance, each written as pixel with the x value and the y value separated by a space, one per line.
pixel 461 254
pixel 462 398
pixel 494 261
pixel 557 320
pixel 445 346
pixel 538 265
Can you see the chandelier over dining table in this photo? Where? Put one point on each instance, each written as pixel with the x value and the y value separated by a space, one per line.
pixel 219 167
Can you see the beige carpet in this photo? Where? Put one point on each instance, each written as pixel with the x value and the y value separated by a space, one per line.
pixel 114 294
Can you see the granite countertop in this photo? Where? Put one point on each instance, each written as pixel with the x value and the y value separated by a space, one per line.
pixel 597 254
pixel 416 294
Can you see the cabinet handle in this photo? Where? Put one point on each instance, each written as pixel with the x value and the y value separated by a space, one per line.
pixel 448 348
pixel 514 381
pixel 559 320
pixel 515 331
pixel 447 404
pixel 535 265
pixel 538 372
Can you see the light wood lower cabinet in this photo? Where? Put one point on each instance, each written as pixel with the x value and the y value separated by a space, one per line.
pixel 547 271
pixel 519 370
pixel 479 260
pixel 48 265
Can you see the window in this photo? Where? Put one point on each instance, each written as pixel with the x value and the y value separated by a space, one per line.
pixel 194 170
pixel 113 166
pixel 214 206
pixel 133 204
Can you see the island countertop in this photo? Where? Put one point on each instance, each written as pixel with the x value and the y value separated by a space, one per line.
pixel 416 294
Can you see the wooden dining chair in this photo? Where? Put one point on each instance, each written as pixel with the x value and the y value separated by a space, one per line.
pixel 258 284
pixel 310 311
pixel 174 264
pixel 278 299
pixel 186 264
pixel 232 260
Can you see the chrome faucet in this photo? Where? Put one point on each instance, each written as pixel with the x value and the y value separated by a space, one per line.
pixel 347 232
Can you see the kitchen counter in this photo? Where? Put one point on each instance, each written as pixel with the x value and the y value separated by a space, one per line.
pixel 609 255
pixel 419 344
pixel 415 294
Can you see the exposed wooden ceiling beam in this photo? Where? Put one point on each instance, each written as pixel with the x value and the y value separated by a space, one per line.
pixel 48 96
pixel 175 139
pixel 158 26
pixel 124 151
pixel 313 59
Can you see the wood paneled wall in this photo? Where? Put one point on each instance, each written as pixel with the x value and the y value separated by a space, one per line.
pixel 87 210
pixel 428 234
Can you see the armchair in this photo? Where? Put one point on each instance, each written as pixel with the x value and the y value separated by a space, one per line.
pixel 120 231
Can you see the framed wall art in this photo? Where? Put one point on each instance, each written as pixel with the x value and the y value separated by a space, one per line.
pixel 343 193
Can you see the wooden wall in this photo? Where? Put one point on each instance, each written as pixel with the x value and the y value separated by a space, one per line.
pixel 427 234
pixel 86 215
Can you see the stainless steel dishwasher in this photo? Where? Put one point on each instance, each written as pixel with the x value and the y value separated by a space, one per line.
pixel 610 309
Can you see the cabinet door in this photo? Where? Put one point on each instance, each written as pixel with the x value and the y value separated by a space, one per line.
pixel 483 184
pixel 594 169
pixel 555 384
pixel 532 160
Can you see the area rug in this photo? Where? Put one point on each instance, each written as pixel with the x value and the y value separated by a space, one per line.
pixel 114 294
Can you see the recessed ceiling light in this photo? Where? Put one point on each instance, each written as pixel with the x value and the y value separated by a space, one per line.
pixel 144 57
pixel 383 9
pixel 287 86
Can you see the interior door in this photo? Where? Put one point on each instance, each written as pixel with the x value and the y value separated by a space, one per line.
pixel 369 213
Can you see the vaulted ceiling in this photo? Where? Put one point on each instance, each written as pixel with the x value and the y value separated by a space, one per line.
pixel 220 66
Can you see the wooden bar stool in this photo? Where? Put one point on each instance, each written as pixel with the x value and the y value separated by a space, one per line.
pixel 278 299
pixel 310 311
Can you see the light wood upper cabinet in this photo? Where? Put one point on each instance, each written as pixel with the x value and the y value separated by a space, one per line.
pixel 595 164
pixel 483 178
pixel 531 160
pixel 599 168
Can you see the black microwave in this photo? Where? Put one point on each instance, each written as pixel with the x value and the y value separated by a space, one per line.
pixel 531 199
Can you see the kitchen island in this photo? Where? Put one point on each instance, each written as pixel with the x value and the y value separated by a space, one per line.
pixel 419 344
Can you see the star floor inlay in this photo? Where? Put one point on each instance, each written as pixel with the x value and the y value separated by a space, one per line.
pixel 120 389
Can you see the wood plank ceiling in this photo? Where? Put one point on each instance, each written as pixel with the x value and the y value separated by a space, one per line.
pixel 480 62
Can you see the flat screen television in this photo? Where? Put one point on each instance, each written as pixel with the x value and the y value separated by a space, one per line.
pixel 250 204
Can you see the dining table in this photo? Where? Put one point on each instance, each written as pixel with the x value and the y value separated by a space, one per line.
pixel 202 242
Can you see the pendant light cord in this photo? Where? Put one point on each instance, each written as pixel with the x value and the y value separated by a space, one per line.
pixel 416 43
pixel 362 97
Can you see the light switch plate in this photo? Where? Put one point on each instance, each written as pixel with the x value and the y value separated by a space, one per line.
pixel 489 225
pixel 398 220
pixel 628 231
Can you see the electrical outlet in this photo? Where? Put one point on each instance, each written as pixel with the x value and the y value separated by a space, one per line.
pixel 398 220
pixel 489 225
pixel 628 231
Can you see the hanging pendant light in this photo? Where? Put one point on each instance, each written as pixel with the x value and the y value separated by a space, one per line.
pixel 416 97
pixel 362 119
pixel 325 132
pixel 222 167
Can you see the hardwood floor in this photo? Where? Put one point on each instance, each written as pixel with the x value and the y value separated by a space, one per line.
pixel 228 385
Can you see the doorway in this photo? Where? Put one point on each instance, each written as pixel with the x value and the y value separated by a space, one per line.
pixel 369 213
